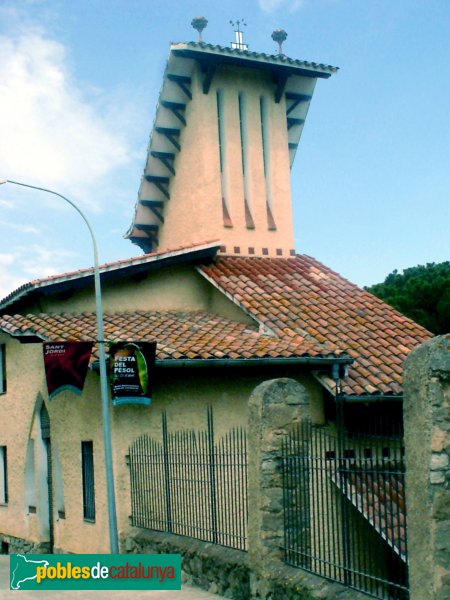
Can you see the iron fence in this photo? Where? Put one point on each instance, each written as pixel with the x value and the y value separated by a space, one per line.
pixel 192 485
pixel 344 509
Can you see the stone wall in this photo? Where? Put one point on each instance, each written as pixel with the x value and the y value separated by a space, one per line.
pixel 274 408
pixel 16 545
pixel 427 441
pixel 227 572
pixel 214 568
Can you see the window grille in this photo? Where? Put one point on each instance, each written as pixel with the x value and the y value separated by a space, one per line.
pixel 2 368
pixel 87 467
pixel 3 475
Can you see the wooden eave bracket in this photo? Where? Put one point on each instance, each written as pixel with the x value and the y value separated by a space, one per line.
pixel 151 232
pixel 177 108
pixel 144 243
pixel 291 122
pixel 166 158
pixel 156 206
pixel 280 81
pixel 171 134
pixel 296 100
pixel 183 82
pixel 208 70
pixel 162 183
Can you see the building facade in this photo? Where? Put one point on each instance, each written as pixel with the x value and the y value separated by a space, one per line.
pixel 219 288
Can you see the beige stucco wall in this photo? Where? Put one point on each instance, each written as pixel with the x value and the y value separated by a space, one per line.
pixel 24 378
pixel 179 288
pixel 183 393
pixel 194 211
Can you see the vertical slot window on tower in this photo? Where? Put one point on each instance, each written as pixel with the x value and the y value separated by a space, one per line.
pixel 266 161
pixel 87 468
pixel 244 156
pixel 241 130
pixel 222 158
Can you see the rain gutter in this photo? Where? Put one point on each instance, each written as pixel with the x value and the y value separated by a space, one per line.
pixel 250 362
pixel 353 398
pixel 244 362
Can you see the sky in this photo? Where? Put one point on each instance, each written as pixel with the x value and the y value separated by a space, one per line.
pixel 79 86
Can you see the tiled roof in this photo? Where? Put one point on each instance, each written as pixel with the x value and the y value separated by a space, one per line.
pixel 380 498
pixel 275 59
pixel 189 335
pixel 300 296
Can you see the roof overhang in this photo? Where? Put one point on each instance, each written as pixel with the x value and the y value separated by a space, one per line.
pixel 277 64
pixel 68 282
pixel 330 385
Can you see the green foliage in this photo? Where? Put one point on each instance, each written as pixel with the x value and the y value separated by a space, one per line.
pixel 421 293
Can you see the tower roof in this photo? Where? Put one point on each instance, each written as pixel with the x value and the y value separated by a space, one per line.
pixel 276 63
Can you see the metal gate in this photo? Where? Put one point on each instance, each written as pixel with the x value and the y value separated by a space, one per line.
pixel 344 507
pixel 192 485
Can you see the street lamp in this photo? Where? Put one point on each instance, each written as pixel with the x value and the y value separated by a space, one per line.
pixel 112 517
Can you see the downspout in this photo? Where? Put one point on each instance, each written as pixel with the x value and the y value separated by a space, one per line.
pixel 338 374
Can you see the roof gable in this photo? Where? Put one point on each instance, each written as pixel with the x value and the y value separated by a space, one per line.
pixel 301 308
pixel 29 292
pixel 301 297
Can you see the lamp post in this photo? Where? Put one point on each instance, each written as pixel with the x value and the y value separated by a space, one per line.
pixel 112 517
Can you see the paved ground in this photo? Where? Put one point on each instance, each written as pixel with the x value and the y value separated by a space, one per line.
pixel 187 593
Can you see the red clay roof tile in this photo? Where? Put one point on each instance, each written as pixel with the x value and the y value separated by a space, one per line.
pixel 179 335
pixel 313 311
pixel 302 296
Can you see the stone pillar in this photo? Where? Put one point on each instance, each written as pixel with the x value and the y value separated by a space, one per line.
pixel 274 407
pixel 427 429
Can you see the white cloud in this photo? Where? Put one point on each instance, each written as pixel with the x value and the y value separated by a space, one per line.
pixel 6 259
pixel 10 227
pixel 6 203
pixel 9 280
pixel 56 135
pixel 45 261
pixel 271 6
pixel 34 261
pixel 25 229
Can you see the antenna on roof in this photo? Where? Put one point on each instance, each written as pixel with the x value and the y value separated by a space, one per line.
pixel 279 36
pixel 239 43
pixel 199 23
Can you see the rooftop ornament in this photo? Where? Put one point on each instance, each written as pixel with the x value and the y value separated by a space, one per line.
pixel 239 43
pixel 199 23
pixel 279 36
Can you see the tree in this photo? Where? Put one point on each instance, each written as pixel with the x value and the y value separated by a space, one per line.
pixel 421 293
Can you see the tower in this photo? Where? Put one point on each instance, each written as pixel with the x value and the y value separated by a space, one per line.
pixel 224 139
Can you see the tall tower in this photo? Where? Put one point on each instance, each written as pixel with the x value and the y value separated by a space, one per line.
pixel 226 131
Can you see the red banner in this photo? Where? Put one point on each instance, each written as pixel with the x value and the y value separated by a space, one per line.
pixel 66 365
pixel 131 372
